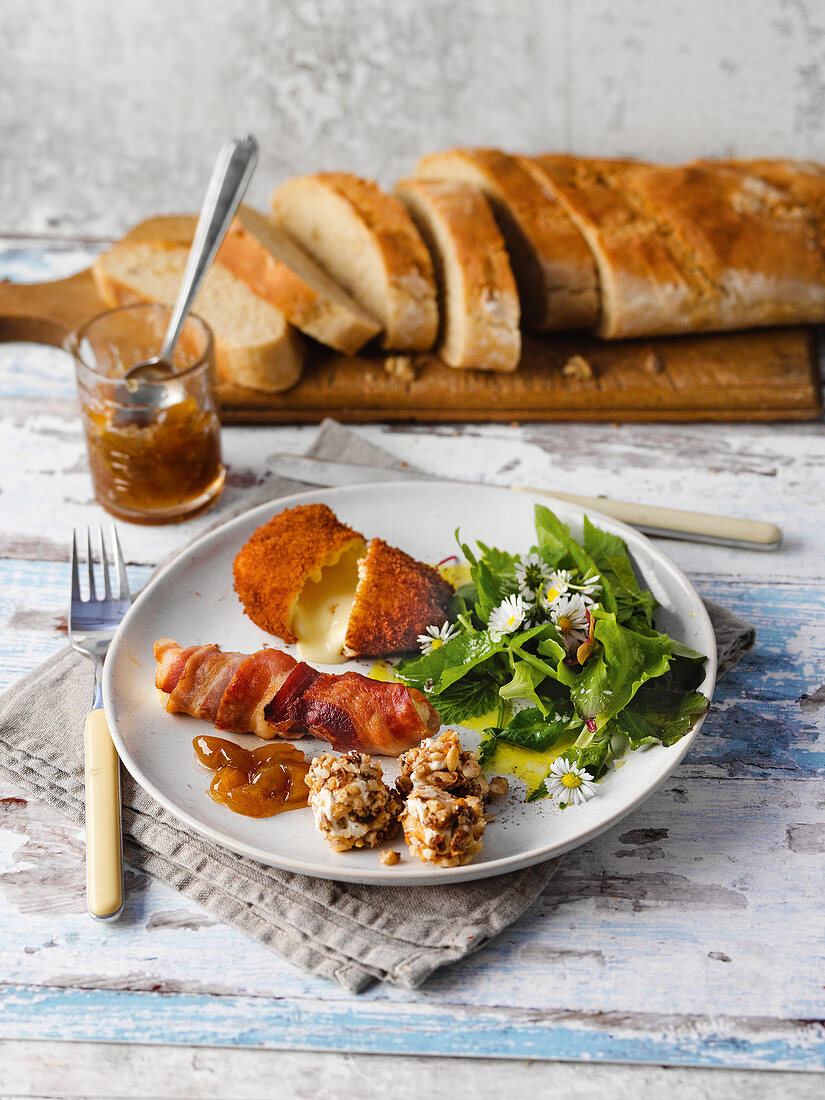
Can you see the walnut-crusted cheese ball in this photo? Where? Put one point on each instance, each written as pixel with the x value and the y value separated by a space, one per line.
pixel 352 805
pixel 442 829
pixel 442 763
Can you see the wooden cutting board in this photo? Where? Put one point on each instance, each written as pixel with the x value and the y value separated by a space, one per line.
pixel 770 374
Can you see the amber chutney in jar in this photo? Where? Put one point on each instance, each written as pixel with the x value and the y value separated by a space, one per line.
pixel 154 445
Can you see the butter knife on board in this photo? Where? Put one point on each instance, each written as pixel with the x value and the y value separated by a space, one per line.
pixel 666 523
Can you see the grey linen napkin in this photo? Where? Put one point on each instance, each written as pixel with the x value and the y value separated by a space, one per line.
pixel 353 934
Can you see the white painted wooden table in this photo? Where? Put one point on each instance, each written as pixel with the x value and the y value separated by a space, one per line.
pixel 692 935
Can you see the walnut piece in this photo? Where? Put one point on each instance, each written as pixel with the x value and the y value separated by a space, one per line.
pixel 579 368
pixel 442 829
pixel 389 857
pixel 352 805
pixel 498 787
pixel 441 763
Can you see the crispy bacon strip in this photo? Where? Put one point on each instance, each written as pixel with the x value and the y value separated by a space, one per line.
pixel 353 712
pixel 257 679
pixel 272 695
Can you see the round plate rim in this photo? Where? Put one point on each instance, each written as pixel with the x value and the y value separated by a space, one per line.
pixel 391 875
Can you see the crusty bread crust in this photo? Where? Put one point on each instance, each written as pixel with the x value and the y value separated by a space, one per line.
pixel 747 238
pixel 477 292
pixel 551 261
pixel 404 301
pixel 278 270
pixel 692 248
pixel 643 288
pixel 397 598
pixel 271 361
pixel 273 565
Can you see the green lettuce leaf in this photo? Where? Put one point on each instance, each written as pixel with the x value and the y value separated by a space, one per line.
pixel 634 604
pixel 523 685
pixel 466 699
pixel 529 729
pixel 659 718
pixel 449 662
pixel 559 546
pixel 624 661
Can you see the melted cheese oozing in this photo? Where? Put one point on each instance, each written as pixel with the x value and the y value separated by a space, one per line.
pixel 322 610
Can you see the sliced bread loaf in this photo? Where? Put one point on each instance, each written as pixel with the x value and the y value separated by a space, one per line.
pixel 281 272
pixel 364 239
pixel 551 260
pixel 255 346
pixel 477 292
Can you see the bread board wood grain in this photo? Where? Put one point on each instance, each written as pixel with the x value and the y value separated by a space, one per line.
pixel 767 374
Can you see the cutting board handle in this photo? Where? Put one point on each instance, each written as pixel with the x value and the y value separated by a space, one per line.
pixel 47 313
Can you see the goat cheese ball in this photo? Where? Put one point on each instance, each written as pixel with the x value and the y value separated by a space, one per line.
pixel 442 829
pixel 352 805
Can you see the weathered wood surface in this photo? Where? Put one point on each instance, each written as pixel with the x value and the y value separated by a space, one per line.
pixel 35 1069
pixel 690 934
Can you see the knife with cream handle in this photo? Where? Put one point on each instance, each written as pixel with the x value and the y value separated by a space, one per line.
pixel 669 523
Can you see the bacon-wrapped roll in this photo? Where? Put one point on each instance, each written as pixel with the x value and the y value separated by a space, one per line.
pixel 271 694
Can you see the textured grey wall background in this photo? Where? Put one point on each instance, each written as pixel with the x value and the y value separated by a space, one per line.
pixel 112 111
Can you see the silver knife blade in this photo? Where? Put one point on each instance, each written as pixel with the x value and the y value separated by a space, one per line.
pixel 322 471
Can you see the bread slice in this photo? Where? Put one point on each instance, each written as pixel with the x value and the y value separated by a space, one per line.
pixel 364 239
pixel 285 275
pixel 477 292
pixel 551 261
pixel 397 598
pixel 255 346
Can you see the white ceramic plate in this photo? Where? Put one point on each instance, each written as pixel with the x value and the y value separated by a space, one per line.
pixel 192 600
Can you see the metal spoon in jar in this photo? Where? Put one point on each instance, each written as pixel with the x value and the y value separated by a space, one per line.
pixel 230 176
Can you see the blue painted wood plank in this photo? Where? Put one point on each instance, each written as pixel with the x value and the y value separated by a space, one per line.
pixel 444 1030
pixel 33 609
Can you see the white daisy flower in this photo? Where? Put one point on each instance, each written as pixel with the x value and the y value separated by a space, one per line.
pixel 532 573
pixel 569 615
pixel 558 584
pixel 507 617
pixel 436 637
pixel 560 580
pixel 590 587
pixel 568 784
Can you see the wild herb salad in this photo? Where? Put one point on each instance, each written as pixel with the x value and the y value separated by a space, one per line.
pixel 559 646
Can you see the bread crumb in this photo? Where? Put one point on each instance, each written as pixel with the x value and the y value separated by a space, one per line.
pixel 654 364
pixel 578 367
pixel 390 858
pixel 401 367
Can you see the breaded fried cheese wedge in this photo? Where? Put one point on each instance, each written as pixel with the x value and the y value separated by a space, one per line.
pixel 397 598
pixel 296 578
